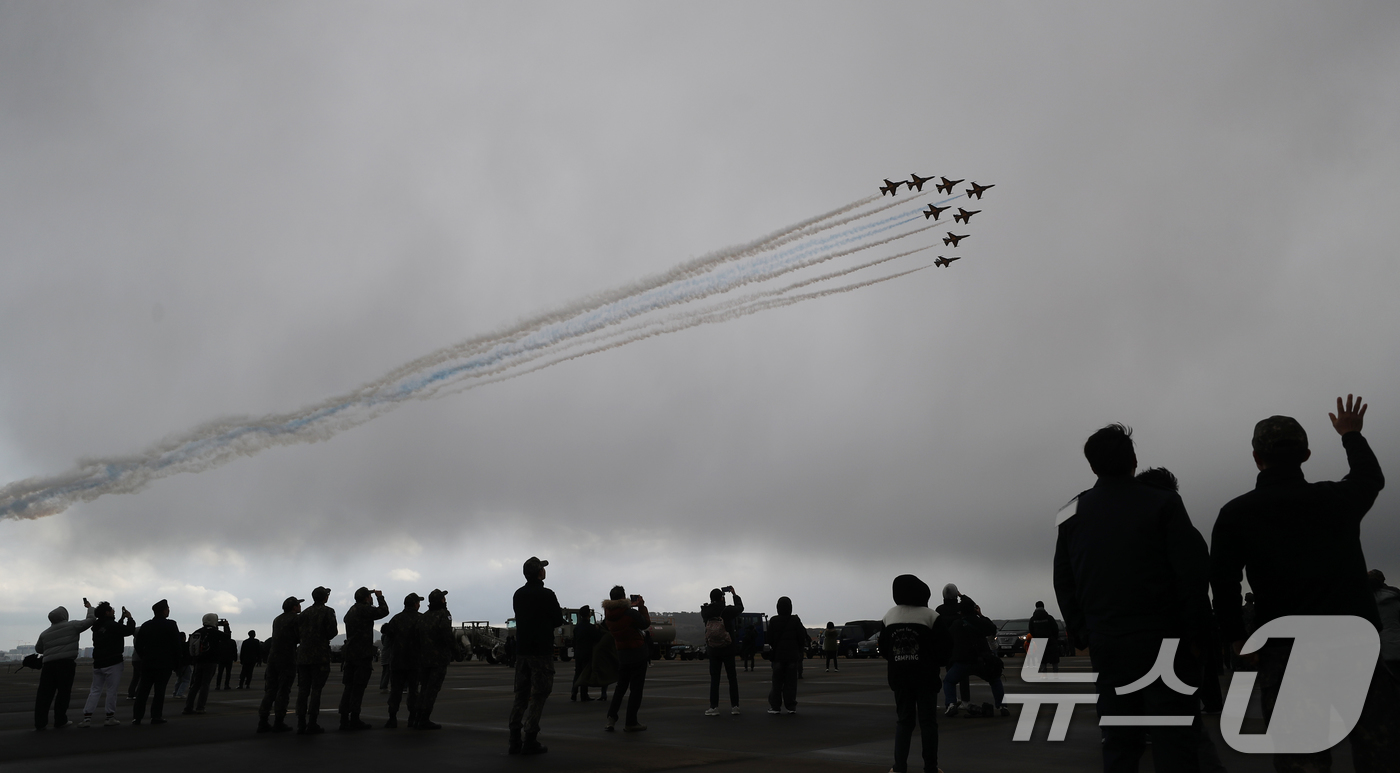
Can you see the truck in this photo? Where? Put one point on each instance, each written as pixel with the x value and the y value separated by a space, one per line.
pixel 482 640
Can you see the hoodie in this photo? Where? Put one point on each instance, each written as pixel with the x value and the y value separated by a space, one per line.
pixel 911 641
pixel 60 640
pixel 786 633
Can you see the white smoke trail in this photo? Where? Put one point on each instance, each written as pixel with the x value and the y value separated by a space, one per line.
pixel 492 357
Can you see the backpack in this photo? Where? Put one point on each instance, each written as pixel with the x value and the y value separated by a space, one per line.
pixel 716 635
pixel 200 645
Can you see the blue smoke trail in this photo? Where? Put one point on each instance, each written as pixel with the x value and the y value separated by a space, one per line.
pixel 494 357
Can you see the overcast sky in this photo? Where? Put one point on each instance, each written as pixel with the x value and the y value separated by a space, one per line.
pixel 213 210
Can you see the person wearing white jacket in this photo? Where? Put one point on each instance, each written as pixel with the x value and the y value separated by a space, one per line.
pixel 59 646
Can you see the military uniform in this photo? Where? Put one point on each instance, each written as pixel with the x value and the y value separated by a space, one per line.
pixel 435 652
pixel 537 614
pixel 359 658
pixel 281 669
pixel 403 630
pixel 315 629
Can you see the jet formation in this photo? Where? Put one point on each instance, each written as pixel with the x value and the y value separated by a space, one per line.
pixel 933 211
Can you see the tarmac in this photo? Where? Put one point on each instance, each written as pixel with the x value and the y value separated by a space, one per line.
pixel 845 722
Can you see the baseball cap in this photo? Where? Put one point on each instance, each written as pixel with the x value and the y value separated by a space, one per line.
pixel 321 592
pixel 437 594
pixel 1279 433
pixel 533 566
pixel 290 602
pixel 412 597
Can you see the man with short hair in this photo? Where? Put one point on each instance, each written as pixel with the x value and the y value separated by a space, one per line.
pixel 161 648
pixel 281 671
pixel 403 632
pixel 358 654
pixel 250 657
pixel 1300 544
pixel 437 648
pixel 537 614
pixel 1130 572
pixel 315 629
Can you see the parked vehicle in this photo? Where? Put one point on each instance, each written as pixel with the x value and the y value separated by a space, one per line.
pixel 854 632
pixel 869 648
pixel 483 640
pixel 681 652
pixel 1013 637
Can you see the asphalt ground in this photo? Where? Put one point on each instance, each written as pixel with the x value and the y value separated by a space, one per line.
pixel 845 722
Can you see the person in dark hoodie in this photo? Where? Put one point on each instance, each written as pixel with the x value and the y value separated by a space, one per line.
pixel 627 620
pixel 249 657
pixel 914 646
pixel 161 647
pixel 59 646
pixel 1043 626
pixel 281 671
pixel 108 656
pixel 948 613
pixel 788 638
pixel 720 639
pixel 972 655
pixel 585 639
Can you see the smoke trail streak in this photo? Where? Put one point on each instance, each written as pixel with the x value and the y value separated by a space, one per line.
pixel 492 357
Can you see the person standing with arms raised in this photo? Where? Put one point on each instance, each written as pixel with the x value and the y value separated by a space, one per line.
pixel 537 614
pixel 721 638
pixel 627 620
pixel 358 654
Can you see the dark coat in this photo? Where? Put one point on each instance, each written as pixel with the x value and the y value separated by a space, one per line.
pixel 948 613
pixel 788 637
pixel 1300 542
pixel 109 641
pixel 970 639
pixel 404 632
pixel 159 644
pixel 1043 626
pixel 250 654
pixel 537 614
pixel 585 639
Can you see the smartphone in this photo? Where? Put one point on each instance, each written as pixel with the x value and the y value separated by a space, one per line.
pixel 636 598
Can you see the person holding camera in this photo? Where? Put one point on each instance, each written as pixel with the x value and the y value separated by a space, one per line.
pixel 108 656
pixel 359 654
pixel 627 620
pixel 720 637
pixel 59 646
pixel 206 648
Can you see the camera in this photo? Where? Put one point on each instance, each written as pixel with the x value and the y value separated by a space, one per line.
pixel 636 598
pixel 728 589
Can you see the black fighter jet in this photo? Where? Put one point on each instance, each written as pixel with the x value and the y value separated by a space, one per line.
pixel 947 185
pixel 916 183
pixel 934 212
pixel 942 261
pixel 976 190
pixel 964 215
pixel 890 187
pixel 954 238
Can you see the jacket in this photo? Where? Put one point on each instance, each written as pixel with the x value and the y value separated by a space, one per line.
pixel 159 644
pixel 315 629
pixel 60 640
pixel 947 614
pixel 585 639
pixel 728 613
pixel 359 630
pixel 537 614
pixel 831 641
pixel 913 646
pixel 403 634
pixel 1300 542
pixel 109 641
pixel 1043 626
pixel 217 642
pixel 1388 605
pixel 1130 562
pixel 627 625
pixel 970 634
pixel 436 644
pixel 250 653
pixel 788 637
pixel 282 647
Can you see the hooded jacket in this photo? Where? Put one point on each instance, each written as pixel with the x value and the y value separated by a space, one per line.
pixel 970 634
pixel 911 641
pixel 626 624
pixel 786 633
pixel 60 640
pixel 1388 603
pixel 1043 626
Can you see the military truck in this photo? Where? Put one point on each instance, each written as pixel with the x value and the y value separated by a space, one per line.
pixel 483 640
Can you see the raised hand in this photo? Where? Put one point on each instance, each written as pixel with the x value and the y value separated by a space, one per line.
pixel 1348 418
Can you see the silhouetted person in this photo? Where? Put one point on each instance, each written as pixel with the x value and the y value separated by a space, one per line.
pixel 315 629
pixel 1300 543
pixel 135 680
pixel 404 631
pixel 627 620
pixel 160 645
pixel 585 639
pixel 1130 571
pixel 948 614
pixel 1043 626
pixel 972 655
pixel 206 647
pixel 1388 605
pixel 719 644
pixel 437 651
pixel 59 646
pixel 386 660
pixel 281 671
pixel 249 657
pixel 788 637
pixel 913 648
pixel 358 654
pixel 227 658
pixel 537 614
pixel 748 647
pixel 108 655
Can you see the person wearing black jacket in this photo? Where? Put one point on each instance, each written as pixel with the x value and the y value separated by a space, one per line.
pixel 1300 543
pixel 281 671
pixel 537 614
pixel 162 651
pixel 228 655
pixel 249 657
pixel 108 655
pixel 972 655
pixel 404 632
pixel 788 638
pixel 914 646
pixel 211 643
pixel 1131 571
pixel 948 614
pixel 585 639
pixel 1043 626
pixel 722 656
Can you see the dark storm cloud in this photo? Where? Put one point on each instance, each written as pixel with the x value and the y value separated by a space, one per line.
pixel 216 210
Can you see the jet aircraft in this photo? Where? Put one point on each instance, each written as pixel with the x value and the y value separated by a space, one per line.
pixel 964 215
pixel 947 185
pixel 934 212
pixel 916 183
pixel 954 238
pixel 976 190
pixel 942 261
pixel 890 187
